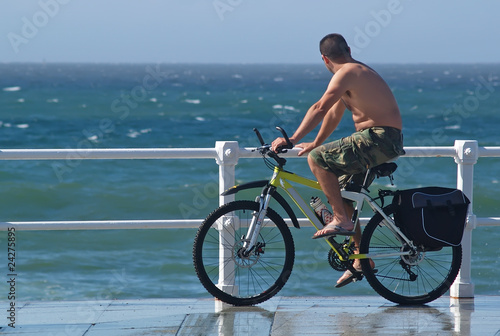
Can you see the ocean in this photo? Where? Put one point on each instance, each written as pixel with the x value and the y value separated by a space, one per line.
pixel 193 106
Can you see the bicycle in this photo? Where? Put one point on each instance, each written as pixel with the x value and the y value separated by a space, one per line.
pixel 244 251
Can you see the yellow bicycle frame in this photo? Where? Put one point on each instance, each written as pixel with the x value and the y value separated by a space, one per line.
pixel 281 179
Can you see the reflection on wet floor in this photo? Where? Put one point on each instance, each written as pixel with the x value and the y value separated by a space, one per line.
pixel 280 316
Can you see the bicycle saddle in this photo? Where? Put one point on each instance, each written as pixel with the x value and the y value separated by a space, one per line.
pixel 382 170
pixel 385 169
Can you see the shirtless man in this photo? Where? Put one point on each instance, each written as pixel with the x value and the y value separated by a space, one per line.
pixel 377 139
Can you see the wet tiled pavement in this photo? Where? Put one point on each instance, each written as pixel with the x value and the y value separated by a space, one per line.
pixel 280 316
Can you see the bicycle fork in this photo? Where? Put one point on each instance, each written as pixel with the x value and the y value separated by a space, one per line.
pixel 253 232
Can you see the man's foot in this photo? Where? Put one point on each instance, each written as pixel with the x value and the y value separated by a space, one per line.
pixel 349 277
pixel 346 278
pixel 333 230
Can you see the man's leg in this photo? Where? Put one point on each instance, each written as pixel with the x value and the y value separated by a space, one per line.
pixel 330 185
pixel 357 240
pixel 357 236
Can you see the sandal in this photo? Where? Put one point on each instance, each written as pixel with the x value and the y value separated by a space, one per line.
pixel 333 230
pixel 351 277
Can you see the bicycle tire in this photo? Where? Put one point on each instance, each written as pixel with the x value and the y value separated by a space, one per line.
pixel 414 280
pixel 257 277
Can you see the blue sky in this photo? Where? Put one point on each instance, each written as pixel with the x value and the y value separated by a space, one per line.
pixel 247 31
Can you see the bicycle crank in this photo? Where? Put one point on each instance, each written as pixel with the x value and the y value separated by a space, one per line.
pixel 336 263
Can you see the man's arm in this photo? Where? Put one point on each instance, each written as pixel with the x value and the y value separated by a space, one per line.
pixel 317 112
pixel 336 88
pixel 330 123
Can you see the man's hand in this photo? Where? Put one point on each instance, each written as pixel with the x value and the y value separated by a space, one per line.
pixel 277 144
pixel 306 147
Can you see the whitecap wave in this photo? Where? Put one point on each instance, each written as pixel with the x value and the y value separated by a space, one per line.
pixel 133 134
pixel 285 107
pixel 12 88
pixel 22 125
pixel 192 101
pixel 93 138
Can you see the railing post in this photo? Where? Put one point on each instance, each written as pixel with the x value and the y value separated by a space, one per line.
pixel 467 152
pixel 227 158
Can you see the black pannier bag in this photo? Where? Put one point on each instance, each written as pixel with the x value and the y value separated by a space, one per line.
pixel 432 217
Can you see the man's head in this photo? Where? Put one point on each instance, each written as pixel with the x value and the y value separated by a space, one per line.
pixel 334 47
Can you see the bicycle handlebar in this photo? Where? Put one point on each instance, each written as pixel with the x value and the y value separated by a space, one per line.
pixel 289 144
pixel 282 149
pixel 259 136
pixel 266 149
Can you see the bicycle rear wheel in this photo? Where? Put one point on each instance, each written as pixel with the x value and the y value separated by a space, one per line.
pixel 227 274
pixel 413 279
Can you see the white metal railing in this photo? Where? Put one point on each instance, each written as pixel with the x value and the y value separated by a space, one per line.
pixel 227 154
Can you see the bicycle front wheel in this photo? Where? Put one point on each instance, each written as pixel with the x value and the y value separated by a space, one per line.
pixel 228 274
pixel 417 278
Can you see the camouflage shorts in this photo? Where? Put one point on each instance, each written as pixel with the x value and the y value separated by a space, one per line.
pixel 350 157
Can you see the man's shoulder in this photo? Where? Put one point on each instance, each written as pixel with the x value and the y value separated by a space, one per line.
pixel 353 68
pixel 357 67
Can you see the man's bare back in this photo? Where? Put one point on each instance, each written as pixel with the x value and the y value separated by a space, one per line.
pixel 367 96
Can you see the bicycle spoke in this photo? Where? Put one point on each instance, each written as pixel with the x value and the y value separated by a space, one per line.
pixel 257 274
pixel 415 277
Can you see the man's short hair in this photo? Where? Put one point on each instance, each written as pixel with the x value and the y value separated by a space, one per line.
pixel 334 46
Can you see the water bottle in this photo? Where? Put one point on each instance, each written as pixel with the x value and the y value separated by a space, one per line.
pixel 324 215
